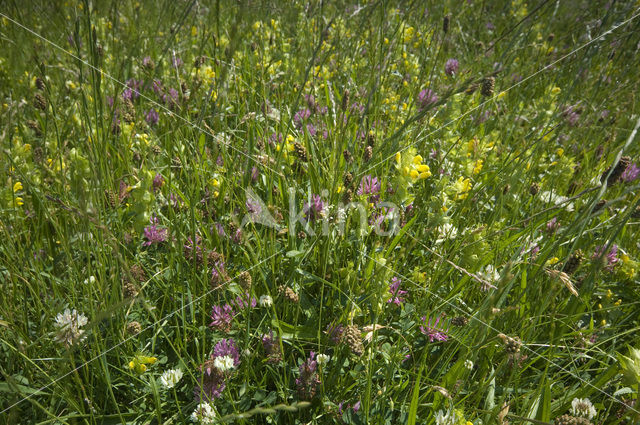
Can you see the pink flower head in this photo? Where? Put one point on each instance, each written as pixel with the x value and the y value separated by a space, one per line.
pixel 396 292
pixel 433 332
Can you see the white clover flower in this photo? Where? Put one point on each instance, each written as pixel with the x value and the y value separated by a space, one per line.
pixel 265 301
pixel 583 407
pixel 224 363
pixel 69 324
pixel 554 198
pixel 446 231
pixel 445 418
pixel 323 359
pixel 170 378
pixel 468 364
pixel 204 414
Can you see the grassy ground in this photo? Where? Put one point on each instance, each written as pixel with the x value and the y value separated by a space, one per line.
pixel 320 212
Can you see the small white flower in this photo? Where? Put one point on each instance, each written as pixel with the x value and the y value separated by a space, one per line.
pixel 490 275
pixel 468 364
pixel 90 280
pixel 583 407
pixel 69 324
pixel 323 359
pixel 554 198
pixel 446 231
pixel 170 378
pixel 204 414
pixel 265 301
pixel 224 363
pixel 445 418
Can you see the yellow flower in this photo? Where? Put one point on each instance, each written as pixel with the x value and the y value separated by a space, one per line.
pixel 555 90
pixel 17 186
pixel 478 167
pixel 140 362
pixel 194 31
pixel 552 261
pixel 19 201
pixel 462 187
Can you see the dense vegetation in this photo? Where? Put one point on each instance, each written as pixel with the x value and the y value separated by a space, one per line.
pixel 319 212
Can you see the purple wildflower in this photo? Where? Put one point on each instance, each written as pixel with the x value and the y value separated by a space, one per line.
pixel 219 161
pixel 147 62
pixel 157 87
pixel 271 347
pixel 553 225
pixel 275 138
pixel 152 117
pixel 176 62
pixel 253 207
pixel 300 116
pixel 311 129
pixel 308 380
pixel 396 292
pixel 227 347
pixel 334 332
pixel 255 173
pixel 246 301
pixel 218 273
pixel 451 67
pixel 155 234
pixel 426 97
pixel 158 181
pixel 630 173
pixel 433 332
pixel 211 382
pixel 314 210
pixel 571 114
pixel 610 259
pixel 221 317
pixel 369 186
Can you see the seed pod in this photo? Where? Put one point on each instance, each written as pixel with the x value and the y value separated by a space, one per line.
pixel 301 152
pixel 244 280
pixel 35 126
pixel 573 262
pixel 459 321
pixel 506 189
pixel 488 86
pixel 129 289
pixel 111 198
pixel 138 273
pixel 371 139
pixel 617 171
pixel 571 420
pixel 445 23
pixel 534 189
pixel 352 338
pixel 39 102
pixel 129 113
pixel 134 328
pixel 347 156
pixel 347 179
pixel 40 84
pixel 345 100
pixel 288 294
pixel 368 153
pixel 511 345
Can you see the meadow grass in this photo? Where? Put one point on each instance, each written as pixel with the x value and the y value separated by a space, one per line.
pixel 319 212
